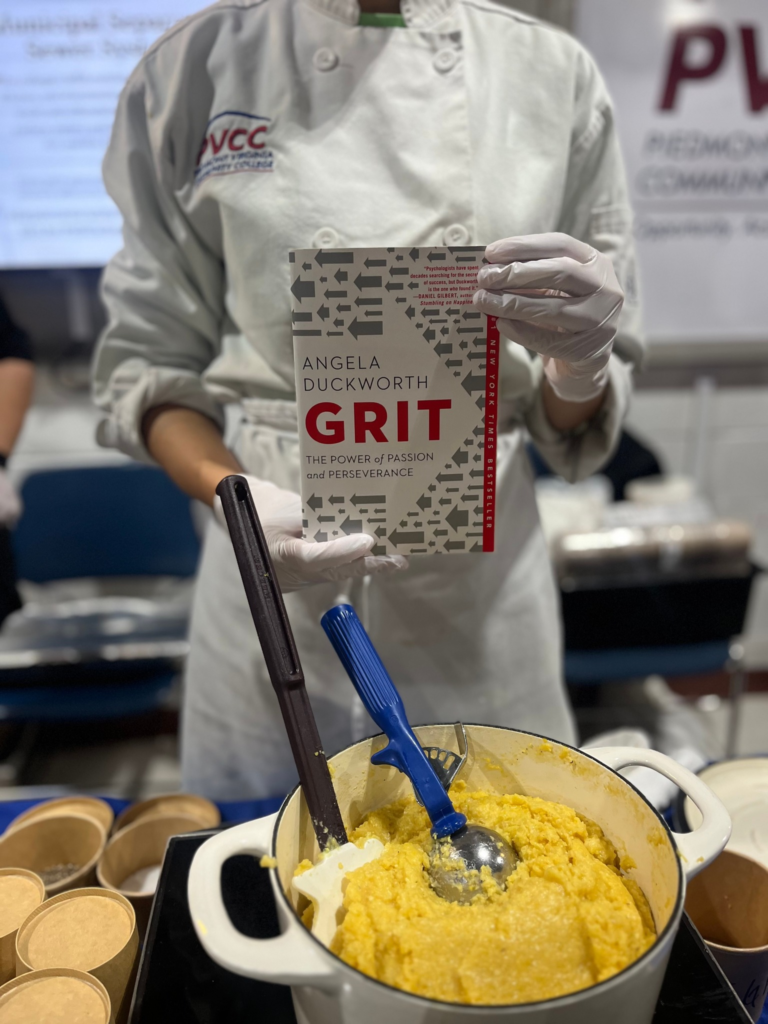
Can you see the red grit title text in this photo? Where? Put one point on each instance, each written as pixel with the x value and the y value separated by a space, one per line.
pixel 370 419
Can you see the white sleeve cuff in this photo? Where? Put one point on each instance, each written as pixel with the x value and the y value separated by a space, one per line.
pixel 133 389
pixel 579 453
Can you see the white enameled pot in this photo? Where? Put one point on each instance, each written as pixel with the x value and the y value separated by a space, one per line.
pixel 328 991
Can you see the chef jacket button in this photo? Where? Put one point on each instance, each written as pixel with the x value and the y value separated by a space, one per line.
pixel 325 238
pixel 456 234
pixel 445 60
pixel 325 59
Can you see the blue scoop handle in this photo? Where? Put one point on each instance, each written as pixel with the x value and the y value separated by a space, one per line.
pixel 385 706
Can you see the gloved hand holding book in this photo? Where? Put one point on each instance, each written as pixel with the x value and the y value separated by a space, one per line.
pixel 559 297
pixel 300 563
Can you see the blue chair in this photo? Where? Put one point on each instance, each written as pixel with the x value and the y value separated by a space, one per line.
pixel 115 652
pixel 104 521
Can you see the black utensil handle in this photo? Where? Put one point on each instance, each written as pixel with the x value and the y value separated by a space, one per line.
pixel 260 582
pixel 281 657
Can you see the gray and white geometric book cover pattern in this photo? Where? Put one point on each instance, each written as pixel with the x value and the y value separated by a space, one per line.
pixel 396 377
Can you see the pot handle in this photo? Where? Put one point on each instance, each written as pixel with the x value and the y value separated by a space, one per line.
pixel 699 848
pixel 289 959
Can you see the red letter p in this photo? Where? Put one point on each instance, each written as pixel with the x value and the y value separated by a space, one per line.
pixel 679 67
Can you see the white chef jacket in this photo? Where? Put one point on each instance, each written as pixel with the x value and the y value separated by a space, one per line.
pixel 472 124
pixel 257 126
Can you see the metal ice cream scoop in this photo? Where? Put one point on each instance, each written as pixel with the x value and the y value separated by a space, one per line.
pixel 460 851
pixel 456 863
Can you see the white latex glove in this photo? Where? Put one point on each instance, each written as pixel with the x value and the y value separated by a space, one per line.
pixel 300 563
pixel 10 502
pixel 558 297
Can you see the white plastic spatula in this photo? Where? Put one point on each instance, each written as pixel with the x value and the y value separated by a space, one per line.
pixel 323 884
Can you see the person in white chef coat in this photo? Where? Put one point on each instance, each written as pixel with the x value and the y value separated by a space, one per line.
pixel 257 126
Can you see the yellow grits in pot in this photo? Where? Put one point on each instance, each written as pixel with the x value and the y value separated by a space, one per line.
pixel 566 920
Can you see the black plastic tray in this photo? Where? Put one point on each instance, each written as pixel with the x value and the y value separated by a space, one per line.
pixel 179 983
pixel 601 614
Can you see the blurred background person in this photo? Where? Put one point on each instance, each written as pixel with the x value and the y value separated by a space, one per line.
pixel 199 316
pixel 17 376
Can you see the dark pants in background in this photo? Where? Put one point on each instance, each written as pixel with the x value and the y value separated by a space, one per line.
pixel 9 595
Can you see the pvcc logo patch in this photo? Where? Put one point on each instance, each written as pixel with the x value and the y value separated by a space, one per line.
pixel 234 143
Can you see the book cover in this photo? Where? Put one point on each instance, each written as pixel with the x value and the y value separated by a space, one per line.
pixel 396 384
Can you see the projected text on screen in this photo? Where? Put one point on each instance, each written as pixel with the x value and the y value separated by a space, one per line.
pixel 62 66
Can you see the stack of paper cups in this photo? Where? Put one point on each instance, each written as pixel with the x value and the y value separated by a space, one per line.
pixel 133 858
pixel 90 930
pixel 86 806
pixel 63 850
pixel 52 996
pixel 205 813
pixel 21 892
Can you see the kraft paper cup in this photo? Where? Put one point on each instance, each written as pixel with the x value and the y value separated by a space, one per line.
pixel 90 930
pixel 46 844
pixel 21 892
pixel 203 811
pixel 137 847
pixel 87 806
pixel 52 996
pixel 728 903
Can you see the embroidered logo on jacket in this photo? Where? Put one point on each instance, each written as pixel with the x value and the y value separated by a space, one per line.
pixel 234 143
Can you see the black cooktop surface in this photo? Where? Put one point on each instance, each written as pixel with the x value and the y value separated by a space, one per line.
pixel 178 982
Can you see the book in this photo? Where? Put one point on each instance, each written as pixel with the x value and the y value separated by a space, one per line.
pixel 396 385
